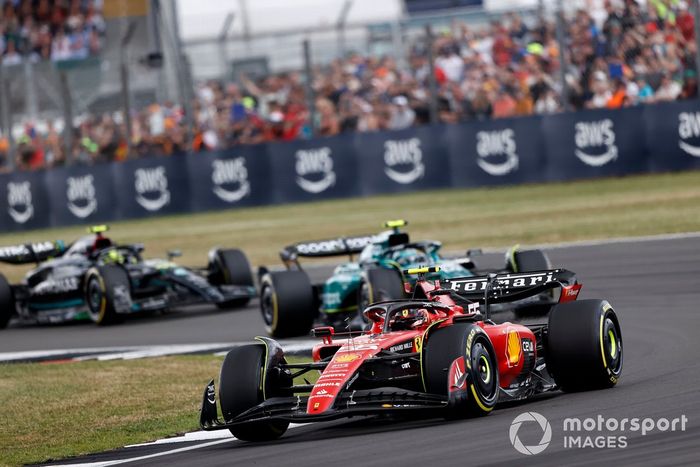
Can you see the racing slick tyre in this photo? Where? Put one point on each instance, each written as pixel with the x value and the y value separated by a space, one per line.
pixel 469 341
pixel 527 260
pixel 584 345
pixel 287 303
pixel 231 267
pixel 107 289
pixel 378 284
pixel 240 389
pixel 7 302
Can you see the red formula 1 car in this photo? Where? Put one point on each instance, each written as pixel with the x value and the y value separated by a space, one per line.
pixel 436 351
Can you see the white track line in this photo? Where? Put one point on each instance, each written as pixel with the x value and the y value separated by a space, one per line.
pixel 149 456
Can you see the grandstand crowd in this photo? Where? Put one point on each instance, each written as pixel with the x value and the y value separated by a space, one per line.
pixel 626 53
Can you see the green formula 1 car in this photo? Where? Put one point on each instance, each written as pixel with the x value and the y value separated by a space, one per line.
pixel 290 302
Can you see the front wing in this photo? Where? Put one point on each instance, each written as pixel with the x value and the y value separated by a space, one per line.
pixel 348 403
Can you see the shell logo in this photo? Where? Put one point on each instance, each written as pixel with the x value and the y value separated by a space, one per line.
pixel 513 348
pixel 347 358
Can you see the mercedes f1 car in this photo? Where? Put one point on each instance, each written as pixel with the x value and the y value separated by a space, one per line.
pixel 438 351
pixel 290 302
pixel 94 278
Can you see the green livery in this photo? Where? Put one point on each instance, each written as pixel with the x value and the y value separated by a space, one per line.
pixel 290 303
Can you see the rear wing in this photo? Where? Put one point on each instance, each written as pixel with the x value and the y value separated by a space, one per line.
pixel 510 287
pixel 325 248
pixel 31 252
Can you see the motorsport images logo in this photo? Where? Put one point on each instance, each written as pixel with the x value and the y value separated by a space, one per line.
pixel 544 426
pixel 592 432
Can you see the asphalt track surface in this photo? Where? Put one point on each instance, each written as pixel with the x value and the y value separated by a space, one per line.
pixel 655 289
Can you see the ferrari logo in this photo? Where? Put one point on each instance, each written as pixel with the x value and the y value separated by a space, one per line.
pixel 417 343
pixel 513 348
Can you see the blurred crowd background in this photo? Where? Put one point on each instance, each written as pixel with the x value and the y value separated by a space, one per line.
pixel 620 54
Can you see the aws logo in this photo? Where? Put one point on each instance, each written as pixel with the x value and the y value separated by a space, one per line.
pixel 689 127
pixel 497 152
pixel 593 137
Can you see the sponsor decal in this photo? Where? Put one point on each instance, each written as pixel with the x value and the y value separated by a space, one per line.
pixel 80 192
pixel 689 128
pixel 406 366
pixel 403 160
pixel 337 366
pixel 230 179
pixel 19 201
pixel 405 346
pixel 417 343
pixel 325 385
pixel 459 379
pixel 211 394
pixel 543 425
pixel 331 375
pixel 511 280
pixel 24 250
pixel 595 135
pixel 571 292
pixel 528 346
pixel 338 245
pixel 152 188
pixel 322 391
pixel 314 168
pixel 513 348
pixel 48 287
pixel 316 404
pixel 353 348
pixel 347 357
pixel 473 308
pixel 497 152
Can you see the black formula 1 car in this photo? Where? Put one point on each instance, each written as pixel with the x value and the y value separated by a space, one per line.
pixel 435 352
pixel 94 278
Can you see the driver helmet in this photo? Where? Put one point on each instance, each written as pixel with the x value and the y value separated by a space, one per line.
pixel 409 318
pixel 410 256
pixel 113 256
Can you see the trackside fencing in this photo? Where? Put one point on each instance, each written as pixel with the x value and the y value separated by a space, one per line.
pixel 587 144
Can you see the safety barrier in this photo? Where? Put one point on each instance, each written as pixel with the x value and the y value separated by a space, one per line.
pixel 600 143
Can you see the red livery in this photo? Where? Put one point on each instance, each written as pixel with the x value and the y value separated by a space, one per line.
pixel 440 351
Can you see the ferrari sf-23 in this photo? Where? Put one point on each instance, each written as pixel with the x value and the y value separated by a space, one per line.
pixel 438 352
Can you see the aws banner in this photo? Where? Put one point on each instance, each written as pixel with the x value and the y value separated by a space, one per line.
pixel 588 144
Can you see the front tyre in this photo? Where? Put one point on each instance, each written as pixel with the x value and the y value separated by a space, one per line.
pixel 468 342
pixel 241 384
pixel 287 303
pixel 107 294
pixel 584 345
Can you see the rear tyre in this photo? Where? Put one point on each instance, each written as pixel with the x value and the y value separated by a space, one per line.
pixel 470 342
pixel 378 285
pixel 240 389
pixel 231 267
pixel 107 289
pixel 527 260
pixel 584 345
pixel 287 303
pixel 7 302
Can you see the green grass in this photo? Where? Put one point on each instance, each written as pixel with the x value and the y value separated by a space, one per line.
pixel 52 411
pixel 639 205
